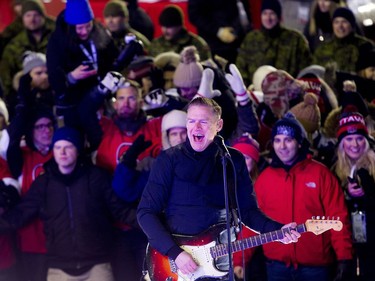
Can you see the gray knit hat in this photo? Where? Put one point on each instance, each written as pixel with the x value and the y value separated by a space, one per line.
pixel 33 59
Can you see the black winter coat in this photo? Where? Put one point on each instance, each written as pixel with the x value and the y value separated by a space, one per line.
pixel 77 211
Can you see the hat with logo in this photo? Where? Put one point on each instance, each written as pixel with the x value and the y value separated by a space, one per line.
pixel 289 126
pixel 351 123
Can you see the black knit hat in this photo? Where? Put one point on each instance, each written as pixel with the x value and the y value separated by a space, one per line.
pixel 289 126
pixel 33 5
pixel 68 134
pixel 171 16
pixel 346 14
pixel 115 8
pixel 273 5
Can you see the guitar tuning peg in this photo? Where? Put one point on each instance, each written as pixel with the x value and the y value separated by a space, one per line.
pixel 338 218
pixel 318 217
pixel 313 217
pixel 323 217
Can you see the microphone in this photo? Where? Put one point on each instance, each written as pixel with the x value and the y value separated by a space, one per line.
pixel 219 141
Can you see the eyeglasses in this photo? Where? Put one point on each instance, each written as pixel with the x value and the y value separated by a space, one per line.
pixel 41 127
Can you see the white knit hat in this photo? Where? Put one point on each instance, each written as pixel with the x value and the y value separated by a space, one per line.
pixel 173 119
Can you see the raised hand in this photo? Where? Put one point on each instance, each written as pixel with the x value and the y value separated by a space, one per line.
pixel 237 85
pixel 205 88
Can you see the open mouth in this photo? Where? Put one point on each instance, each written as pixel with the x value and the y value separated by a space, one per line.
pixel 198 137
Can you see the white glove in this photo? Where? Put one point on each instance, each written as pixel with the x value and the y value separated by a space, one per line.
pixel 111 82
pixel 155 99
pixel 226 34
pixel 205 88
pixel 236 83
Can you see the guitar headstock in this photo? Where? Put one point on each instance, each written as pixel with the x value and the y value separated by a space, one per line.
pixel 318 226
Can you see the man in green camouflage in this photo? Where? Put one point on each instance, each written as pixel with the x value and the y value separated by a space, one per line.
pixel 116 19
pixel 175 37
pixel 273 44
pixel 345 46
pixel 34 38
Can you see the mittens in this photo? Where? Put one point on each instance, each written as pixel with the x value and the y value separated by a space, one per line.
pixel 236 83
pixel 111 82
pixel 205 88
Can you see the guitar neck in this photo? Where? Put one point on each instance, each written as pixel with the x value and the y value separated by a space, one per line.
pixel 222 249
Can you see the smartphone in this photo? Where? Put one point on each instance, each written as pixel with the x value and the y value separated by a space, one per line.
pixel 89 63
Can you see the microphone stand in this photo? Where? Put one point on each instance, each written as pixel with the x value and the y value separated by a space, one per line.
pixel 226 196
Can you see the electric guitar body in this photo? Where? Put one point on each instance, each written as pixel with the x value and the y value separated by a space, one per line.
pixel 206 249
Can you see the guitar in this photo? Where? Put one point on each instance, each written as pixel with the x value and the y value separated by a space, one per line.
pixel 205 249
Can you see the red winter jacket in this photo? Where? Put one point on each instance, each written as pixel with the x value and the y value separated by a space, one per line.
pixel 308 189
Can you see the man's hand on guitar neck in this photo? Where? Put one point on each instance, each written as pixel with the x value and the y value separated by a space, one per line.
pixel 292 235
pixel 185 263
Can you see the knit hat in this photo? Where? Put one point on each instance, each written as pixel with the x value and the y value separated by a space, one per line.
pixel 289 126
pixel 69 134
pixel 351 123
pixel 353 102
pixel 173 119
pixel 33 59
pixel 171 16
pixel 78 12
pixel 273 5
pixel 248 146
pixel 189 71
pixel 345 13
pixel 308 113
pixel 33 5
pixel 116 8
pixel 275 89
pixel 260 74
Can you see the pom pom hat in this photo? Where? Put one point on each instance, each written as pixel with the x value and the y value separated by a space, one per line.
pixel 351 123
pixel 189 71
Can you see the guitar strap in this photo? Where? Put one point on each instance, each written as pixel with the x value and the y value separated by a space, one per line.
pixel 232 197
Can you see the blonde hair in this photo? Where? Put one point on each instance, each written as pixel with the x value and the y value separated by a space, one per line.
pixel 343 164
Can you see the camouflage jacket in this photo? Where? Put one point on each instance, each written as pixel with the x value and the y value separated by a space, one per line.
pixel 343 51
pixel 11 61
pixel 119 38
pixel 160 45
pixel 287 50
